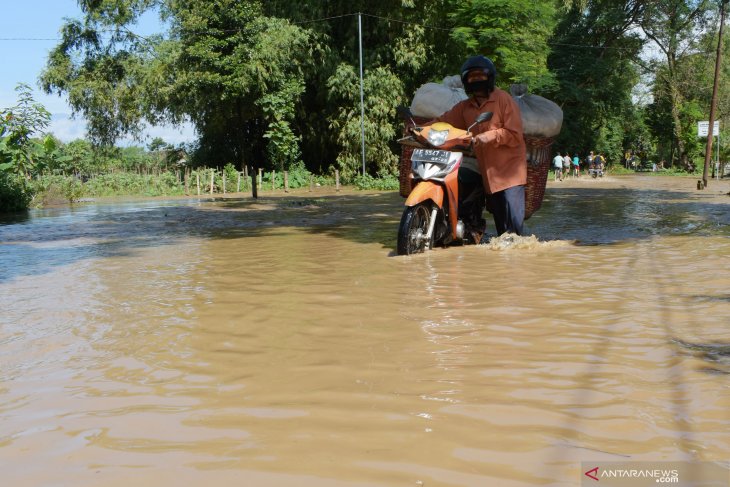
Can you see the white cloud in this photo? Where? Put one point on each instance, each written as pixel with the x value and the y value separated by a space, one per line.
pixel 65 128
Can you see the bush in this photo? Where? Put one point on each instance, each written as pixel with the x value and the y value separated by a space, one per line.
pixel 383 183
pixel 299 177
pixel 15 194
pixel 49 189
pixel 129 184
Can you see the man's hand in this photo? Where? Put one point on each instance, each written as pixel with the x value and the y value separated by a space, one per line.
pixel 466 140
pixel 486 137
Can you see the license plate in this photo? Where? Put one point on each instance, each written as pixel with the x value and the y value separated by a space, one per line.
pixel 434 156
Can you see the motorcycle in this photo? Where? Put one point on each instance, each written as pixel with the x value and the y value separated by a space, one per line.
pixel 596 170
pixel 447 200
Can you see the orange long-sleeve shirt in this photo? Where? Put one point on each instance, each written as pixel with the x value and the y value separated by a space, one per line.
pixel 501 153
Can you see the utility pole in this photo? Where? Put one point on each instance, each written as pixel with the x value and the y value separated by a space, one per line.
pixel 713 103
pixel 362 102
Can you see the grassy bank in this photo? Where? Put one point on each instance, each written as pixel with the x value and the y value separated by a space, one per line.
pixel 55 189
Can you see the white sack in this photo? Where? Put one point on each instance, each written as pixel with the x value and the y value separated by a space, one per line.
pixel 540 116
pixel 453 81
pixel 433 99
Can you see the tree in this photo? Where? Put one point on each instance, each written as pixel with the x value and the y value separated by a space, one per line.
pixel 513 34
pixel 277 82
pixel 17 126
pixel 404 42
pixel 157 144
pixel 76 157
pixel 673 26
pixel 383 90
pixel 19 151
pixel 220 60
pixel 593 57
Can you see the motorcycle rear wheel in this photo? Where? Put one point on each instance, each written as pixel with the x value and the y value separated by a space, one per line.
pixel 413 229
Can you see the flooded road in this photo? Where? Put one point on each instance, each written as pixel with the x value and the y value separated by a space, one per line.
pixel 280 342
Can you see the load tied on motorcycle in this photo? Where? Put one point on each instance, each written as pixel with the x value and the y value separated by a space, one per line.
pixel 476 147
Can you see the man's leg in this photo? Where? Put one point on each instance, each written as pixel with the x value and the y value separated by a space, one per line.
pixel 508 209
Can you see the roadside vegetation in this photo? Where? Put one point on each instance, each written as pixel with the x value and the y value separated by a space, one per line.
pixel 275 86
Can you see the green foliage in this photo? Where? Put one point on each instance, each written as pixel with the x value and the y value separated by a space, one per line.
pixel 672 26
pixel 116 184
pixel 279 109
pixel 592 57
pixel 383 92
pixel 18 150
pixel 299 177
pixel 513 34
pixel 386 183
pixel 610 140
pixel 265 86
pixel 72 189
pixel 14 193
pixel 231 178
pixel 20 154
pixel 204 175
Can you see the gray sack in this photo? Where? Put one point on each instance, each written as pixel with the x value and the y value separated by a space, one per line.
pixel 540 116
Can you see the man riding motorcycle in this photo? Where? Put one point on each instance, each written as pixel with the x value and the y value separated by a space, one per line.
pixel 498 143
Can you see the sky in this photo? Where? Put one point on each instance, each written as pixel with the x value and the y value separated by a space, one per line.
pixel 29 30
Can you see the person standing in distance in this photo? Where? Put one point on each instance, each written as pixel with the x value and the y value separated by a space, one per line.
pixel 558 166
pixel 566 164
pixel 576 165
pixel 498 143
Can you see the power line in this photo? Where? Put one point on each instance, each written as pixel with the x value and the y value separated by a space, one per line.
pixel 311 21
pixel 408 23
pixel 323 19
pixel 587 46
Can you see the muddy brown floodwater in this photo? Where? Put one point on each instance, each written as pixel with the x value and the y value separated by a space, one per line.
pixel 281 342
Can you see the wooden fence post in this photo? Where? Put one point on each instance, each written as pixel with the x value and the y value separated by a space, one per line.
pixel 238 183
pixel 337 180
pixel 261 177
pixel 212 180
pixel 254 186
pixel 286 181
pixel 197 179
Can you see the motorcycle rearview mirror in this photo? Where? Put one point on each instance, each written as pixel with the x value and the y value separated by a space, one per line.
pixel 406 114
pixel 483 117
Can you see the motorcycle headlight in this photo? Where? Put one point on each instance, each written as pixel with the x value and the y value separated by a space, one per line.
pixel 437 137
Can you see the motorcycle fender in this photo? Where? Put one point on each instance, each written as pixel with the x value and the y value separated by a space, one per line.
pixel 426 190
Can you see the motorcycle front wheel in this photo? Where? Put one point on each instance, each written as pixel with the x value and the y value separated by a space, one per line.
pixel 413 229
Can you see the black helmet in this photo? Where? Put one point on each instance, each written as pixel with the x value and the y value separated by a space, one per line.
pixel 478 62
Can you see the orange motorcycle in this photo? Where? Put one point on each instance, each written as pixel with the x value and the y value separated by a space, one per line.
pixel 447 200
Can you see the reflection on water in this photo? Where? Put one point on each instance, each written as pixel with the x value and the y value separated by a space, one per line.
pixel 280 342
